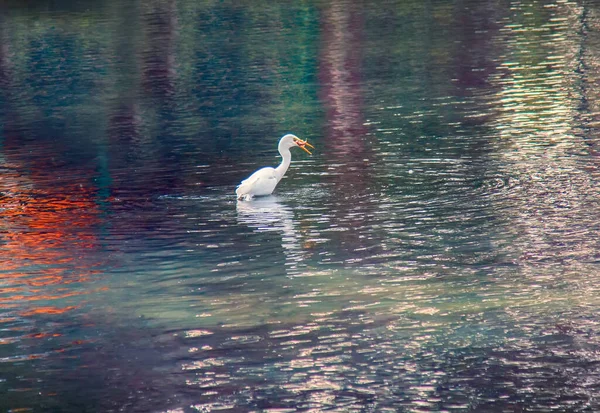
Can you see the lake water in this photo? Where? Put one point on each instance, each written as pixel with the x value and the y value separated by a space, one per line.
pixel 439 252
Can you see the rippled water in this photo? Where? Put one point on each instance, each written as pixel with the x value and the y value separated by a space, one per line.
pixel 439 251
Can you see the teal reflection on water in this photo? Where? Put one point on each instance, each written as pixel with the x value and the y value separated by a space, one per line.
pixel 438 252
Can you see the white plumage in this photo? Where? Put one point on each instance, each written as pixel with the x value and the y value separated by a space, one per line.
pixel 264 181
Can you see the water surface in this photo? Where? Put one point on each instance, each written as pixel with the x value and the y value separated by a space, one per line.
pixel 438 253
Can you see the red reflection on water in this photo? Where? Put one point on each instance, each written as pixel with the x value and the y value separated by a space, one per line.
pixel 42 335
pixel 47 229
pixel 48 310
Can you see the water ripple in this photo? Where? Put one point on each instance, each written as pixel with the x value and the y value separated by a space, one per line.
pixel 438 252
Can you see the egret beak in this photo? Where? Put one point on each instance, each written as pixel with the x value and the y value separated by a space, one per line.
pixel 303 144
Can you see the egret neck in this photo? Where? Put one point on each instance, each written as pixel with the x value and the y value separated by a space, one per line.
pixel 285 162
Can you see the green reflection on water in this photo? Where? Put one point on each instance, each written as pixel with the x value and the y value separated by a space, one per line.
pixel 399 95
pixel 451 199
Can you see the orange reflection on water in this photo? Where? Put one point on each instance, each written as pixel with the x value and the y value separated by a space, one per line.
pixel 48 310
pixel 46 234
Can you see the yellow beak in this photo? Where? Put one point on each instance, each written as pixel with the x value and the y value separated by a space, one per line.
pixel 303 144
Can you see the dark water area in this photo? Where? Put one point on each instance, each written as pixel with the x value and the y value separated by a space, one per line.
pixel 438 252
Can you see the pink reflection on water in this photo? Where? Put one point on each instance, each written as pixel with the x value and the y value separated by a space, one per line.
pixel 348 152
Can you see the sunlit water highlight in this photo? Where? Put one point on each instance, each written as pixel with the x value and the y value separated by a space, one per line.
pixel 439 252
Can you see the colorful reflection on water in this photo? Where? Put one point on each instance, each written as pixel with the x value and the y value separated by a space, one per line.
pixel 439 252
pixel 49 235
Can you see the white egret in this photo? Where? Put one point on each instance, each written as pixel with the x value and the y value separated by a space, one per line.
pixel 264 181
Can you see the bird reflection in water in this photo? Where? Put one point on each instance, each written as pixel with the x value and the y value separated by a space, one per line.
pixel 269 215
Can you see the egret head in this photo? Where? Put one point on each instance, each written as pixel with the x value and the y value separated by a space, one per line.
pixel 289 141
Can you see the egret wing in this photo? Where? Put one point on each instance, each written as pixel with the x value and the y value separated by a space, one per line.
pixel 261 182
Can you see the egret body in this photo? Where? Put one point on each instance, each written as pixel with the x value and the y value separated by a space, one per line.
pixel 264 181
